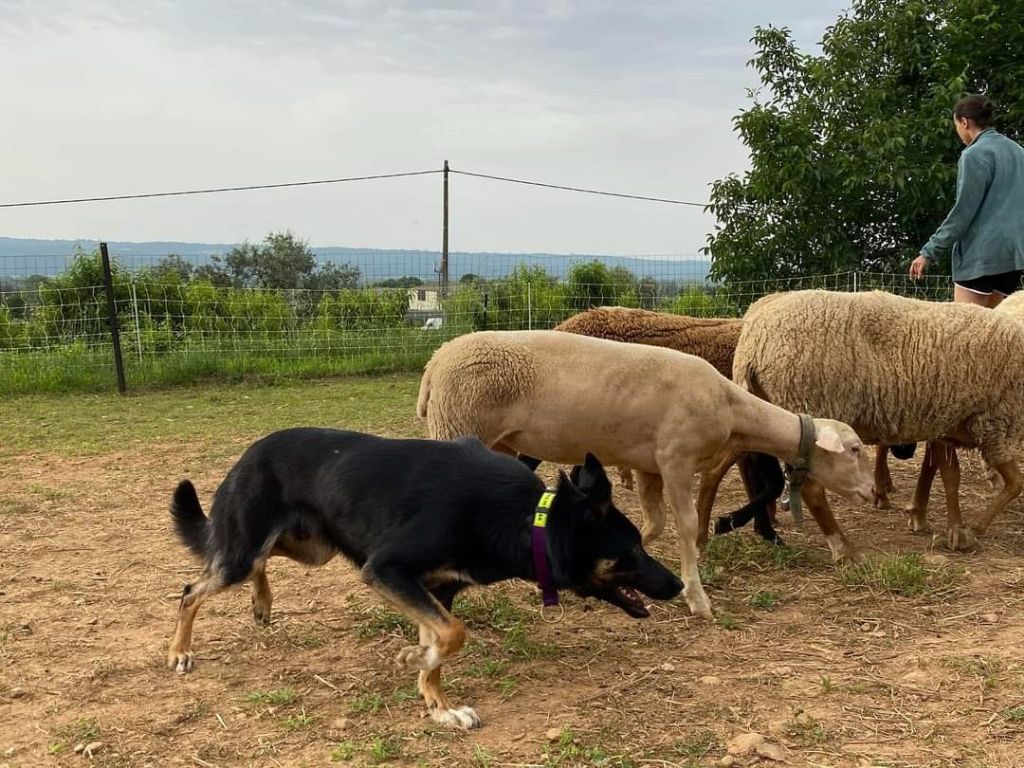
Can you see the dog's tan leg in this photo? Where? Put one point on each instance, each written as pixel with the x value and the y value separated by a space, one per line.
pixel 261 596
pixel 179 654
pixel 441 635
pixel 649 486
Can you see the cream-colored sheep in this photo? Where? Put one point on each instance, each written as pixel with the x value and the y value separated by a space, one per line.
pixel 897 370
pixel 940 456
pixel 557 396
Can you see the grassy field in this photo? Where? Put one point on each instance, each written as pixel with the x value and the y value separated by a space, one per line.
pixel 913 658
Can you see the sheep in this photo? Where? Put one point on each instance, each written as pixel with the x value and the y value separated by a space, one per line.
pixel 898 370
pixel 667 415
pixel 1012 306
pixel 713 339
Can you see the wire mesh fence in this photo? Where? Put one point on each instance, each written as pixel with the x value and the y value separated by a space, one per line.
pixel 180 323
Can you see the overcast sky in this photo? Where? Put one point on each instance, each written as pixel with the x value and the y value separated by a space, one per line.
pixel 104 97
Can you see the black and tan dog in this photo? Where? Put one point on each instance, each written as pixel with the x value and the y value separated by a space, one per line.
pixel 423 519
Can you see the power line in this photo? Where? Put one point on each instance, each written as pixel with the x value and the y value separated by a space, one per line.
pixel 577 189
pixel 216 189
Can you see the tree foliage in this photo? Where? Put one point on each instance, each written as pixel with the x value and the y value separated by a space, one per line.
pixel 282 260
pixel 853 154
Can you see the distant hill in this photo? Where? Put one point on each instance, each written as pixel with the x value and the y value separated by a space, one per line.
pixel 21 257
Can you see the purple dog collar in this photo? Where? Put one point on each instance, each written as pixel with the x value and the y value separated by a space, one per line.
pixel 540 550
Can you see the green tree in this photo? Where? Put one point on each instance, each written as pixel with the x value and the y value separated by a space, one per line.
pixel 283 260
pixel 591 284
pixel 853 154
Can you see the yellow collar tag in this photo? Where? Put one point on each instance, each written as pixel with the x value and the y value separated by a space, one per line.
pixel 540 517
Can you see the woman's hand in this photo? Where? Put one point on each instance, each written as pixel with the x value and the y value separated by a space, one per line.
pixel 918 266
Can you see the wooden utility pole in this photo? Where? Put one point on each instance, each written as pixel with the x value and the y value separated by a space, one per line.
pixel 444 237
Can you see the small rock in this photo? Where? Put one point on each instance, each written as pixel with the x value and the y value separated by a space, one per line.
pixel 553 734
pixel 19 693
pixel 666 667
pixel 92 747
pixel 989 618
pixel 771 752
pixel 782 671
pixel 9 752
pixel 79 746
pixel 92 621
pixel 744 744
pixel 340 723
pixel 865 627
pixel 727 762
pixel 710 680
pixel 934 558
pixel 777 727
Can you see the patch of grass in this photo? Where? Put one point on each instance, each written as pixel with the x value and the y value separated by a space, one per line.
pixel 367 703
pixel 275 698
pixel 697 745
pixel 383 747
pixel 725 621
pixel 518 644
pixel 765 599
pixel 985 669
pixel 826 684
pixel 343 752
pixel 48 493
pixel 213 413
pixel 740 551
pixel 9 507
pixel 902 573
pixel 482 756
pixel 487 668
pixel 298 722
pixel 807 731
pixel 568 752
pixel 378 621
pixel 1013 714
pixel 308 639
pixel 84 729
pixel 491 610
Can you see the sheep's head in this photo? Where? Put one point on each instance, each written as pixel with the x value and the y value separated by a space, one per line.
pixel 840 462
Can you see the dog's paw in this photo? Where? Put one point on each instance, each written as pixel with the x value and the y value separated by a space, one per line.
pixel 180 661
pixel 463 718
pixel 423 657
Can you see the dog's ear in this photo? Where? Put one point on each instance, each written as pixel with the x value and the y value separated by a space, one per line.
pixel 574 475
pixel 593 482
pixel 567 487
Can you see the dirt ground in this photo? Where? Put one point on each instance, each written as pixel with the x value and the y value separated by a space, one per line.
pixel 828 672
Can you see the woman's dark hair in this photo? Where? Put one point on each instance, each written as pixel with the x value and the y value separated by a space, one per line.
pixel 977 107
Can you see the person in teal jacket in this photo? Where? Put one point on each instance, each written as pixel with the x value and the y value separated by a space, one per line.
pixel 985 228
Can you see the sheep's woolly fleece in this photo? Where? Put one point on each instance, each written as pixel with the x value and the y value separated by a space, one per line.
pixel 898 370
pixel 1013 305
pixel 713 339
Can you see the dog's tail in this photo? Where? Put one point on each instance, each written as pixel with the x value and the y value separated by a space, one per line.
pixel 424 396
pixel 190 523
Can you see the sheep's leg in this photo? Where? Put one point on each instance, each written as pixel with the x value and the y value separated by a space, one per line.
pixel 917 515
pixel 883 479
pixel 626 478
pixel 813 495
pixel 709 481
pixel 957 537
pixel 1012 487
pixel 680 498
pixel 652 506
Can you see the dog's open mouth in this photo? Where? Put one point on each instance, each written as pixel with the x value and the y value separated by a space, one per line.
pixel 629 601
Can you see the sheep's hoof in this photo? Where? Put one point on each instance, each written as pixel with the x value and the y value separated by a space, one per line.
pixel 958 538
pixel 917 522
pixel 882 501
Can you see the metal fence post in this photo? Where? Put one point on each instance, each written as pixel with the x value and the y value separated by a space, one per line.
pixel 135 314
pixel 115 334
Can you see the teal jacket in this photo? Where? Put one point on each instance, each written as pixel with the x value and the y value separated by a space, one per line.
pixel 985 229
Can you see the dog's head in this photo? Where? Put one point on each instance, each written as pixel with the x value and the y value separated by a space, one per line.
pixel 597 550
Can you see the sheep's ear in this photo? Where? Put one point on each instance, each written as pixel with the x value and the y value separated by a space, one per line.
pixel 828 439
